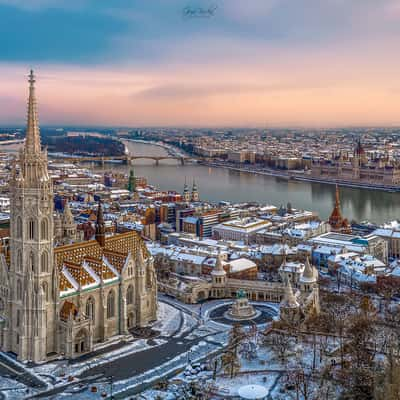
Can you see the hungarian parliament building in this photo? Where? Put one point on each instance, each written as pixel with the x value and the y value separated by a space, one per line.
pixel 357 169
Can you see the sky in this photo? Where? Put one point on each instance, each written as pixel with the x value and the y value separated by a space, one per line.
pixel 262 63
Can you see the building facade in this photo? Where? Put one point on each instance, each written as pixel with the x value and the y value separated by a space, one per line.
pixel 357 168
pixel 300 287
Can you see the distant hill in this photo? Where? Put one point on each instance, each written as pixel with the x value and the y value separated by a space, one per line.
pixel 84 145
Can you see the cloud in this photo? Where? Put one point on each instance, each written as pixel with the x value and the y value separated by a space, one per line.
pixel 186 90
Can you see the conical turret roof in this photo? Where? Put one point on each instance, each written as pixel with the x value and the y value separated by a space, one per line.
pixel 309 273
pixel 68 218
pixel 289 299
pixel 219 268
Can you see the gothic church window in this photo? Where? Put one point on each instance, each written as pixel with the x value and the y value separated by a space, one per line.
pixel 129 295
pixel 19 261
pixel 31 229
pixel 44 262
pixel 19 227
pixel 19 290
pixel 45 290
pixel 32 262
pixel 110 304
pixel 44 234
pixel 90 308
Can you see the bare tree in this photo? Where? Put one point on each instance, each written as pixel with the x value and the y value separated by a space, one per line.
pixel 280 343
pixel 388 383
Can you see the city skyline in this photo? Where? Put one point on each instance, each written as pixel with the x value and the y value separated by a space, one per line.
pixel 271 63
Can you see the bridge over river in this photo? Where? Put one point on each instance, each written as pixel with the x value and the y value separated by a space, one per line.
pixel 126 159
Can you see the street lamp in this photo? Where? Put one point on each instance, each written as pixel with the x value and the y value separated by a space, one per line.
pixel 188 356
pixel 111 382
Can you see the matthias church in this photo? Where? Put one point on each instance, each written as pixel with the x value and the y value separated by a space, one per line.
pixel 61 300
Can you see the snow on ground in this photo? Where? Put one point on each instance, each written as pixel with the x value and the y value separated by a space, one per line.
pixel 230 387
pixel 188 324
pixel 265 369
pixel 168 319
pixel 11 389
pixel 172 322
pixel 199 351
pixel 201 331
pixel 58 367
pixel 157 394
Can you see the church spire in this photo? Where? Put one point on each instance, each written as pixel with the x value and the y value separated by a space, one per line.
pixel 308 274
pixel 336 221
pixel 195 192
pixel 100 227
pixel 337 197
pixel 32 144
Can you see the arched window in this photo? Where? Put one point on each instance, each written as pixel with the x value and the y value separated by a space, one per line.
pixel 31 229
pixel 18 264
pixel 31 262
pixel 1 305
pixel 19 227
pixel 90 308
pixel 129 295
pixel 45 288
pixel 44 231
pixel 44 262
pixel 110 304
pixel 19 290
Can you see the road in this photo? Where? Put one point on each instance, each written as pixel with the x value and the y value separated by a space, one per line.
pixel 134 364
pixel 17 372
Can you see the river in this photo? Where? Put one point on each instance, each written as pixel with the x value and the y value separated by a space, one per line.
pixel 217 184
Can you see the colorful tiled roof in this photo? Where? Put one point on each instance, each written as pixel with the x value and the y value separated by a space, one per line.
pixel 71 259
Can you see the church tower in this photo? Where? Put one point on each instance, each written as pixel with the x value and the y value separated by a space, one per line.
pixel 32 333
pixel 186 193
pixel 195 192
pixel 336 221
pixel 218 276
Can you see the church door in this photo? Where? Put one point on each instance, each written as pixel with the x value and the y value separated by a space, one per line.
pixel 81 342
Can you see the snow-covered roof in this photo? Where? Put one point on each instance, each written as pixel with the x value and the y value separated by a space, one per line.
pixel 241 264
pixel 396 271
